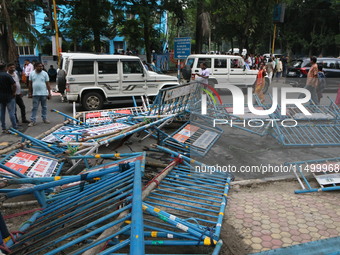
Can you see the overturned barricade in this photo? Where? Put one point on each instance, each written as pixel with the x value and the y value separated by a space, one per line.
pixel 324 171
pixel 293 129
pixel 100 211
pixel 82 210
pixel 30 163
pixel 197 135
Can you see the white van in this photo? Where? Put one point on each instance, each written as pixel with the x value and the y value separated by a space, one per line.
pixel 224 70
pixel 93 80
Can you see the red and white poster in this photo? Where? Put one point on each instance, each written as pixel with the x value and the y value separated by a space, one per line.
pixel 21 162
pixel 105 129
pixel 44 167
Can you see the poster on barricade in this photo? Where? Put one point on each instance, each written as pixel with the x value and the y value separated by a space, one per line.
pixel 32 165
pixel 109 128
pixel 53 137
pixel 185 133
pixel 44 167
pixel 21 162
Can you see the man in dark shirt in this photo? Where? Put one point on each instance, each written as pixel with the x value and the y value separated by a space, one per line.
pixel 7 98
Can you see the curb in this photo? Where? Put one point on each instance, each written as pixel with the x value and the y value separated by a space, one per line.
pixel 262 181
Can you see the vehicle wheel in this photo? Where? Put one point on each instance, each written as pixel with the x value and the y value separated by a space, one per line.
pixel 61 81
pixel 266 87
pixel 186 73
pixel 92 101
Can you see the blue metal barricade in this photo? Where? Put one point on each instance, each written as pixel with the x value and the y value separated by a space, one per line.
pixel 85 206
pixel 326 173
pixel 32 163
pixel 194 137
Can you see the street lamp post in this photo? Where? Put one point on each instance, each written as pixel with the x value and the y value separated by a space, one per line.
pixel 56 31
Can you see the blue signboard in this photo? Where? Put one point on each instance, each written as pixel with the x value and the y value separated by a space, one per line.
pixel 182 47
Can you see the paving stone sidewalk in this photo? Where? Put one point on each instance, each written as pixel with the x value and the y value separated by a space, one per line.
pixel 270 216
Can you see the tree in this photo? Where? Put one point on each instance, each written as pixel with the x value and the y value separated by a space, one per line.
pixel 311 27
pixel 14 23
pixel 89 19
pixel 145 15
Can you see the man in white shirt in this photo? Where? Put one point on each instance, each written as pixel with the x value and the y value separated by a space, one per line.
pixel 11 70
pixel 39 89
pixel 203 74
pixel 28 68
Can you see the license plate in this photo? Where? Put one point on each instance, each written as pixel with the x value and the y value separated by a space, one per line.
pixel 291 73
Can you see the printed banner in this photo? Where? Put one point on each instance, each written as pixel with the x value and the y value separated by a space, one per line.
pixel 185 133
pixel 52 138
pixel 44 167
pixel 21 162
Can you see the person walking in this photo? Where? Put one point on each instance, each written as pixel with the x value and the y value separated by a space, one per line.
pixel 260 82
pixel 52 73
pixel 39 89
pixel 337 99
pixel 322 84
pixel 279 69
pixel 270 69
pixel 11 70
pixel 28 68
pixel 7 99
pixel 312 80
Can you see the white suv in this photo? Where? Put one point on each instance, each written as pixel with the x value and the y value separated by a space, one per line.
pixel 224 70
pixel 93 80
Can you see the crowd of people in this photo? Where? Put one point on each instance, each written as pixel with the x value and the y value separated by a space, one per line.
pixel 37 81
pixel 275 68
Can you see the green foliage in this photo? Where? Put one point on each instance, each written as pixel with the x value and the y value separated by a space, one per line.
pixel 15 26
pixel 310 26
pixel 89 19
pixel 337 40
pixel 132 31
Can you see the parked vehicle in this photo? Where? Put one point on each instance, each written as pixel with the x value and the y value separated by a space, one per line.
pixel 93 80
pixel 225 70
pixel 237 51
pixel 298 70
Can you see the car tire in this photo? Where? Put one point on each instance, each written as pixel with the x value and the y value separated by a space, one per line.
pixel 92 101
pixel 61 81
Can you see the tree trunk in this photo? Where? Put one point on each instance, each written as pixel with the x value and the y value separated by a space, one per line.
pixel 95 29
pixel 9 50
pixel 75 45
pixel 312 43
pixel 96 37
pixel 147 40
pixel 198 35
pixel 232 45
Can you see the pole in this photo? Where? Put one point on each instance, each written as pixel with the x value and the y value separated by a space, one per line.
pixel 56 31
pixel 179 70
pixel 274 37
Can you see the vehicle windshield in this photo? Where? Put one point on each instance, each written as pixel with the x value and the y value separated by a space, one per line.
pixel 190 62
